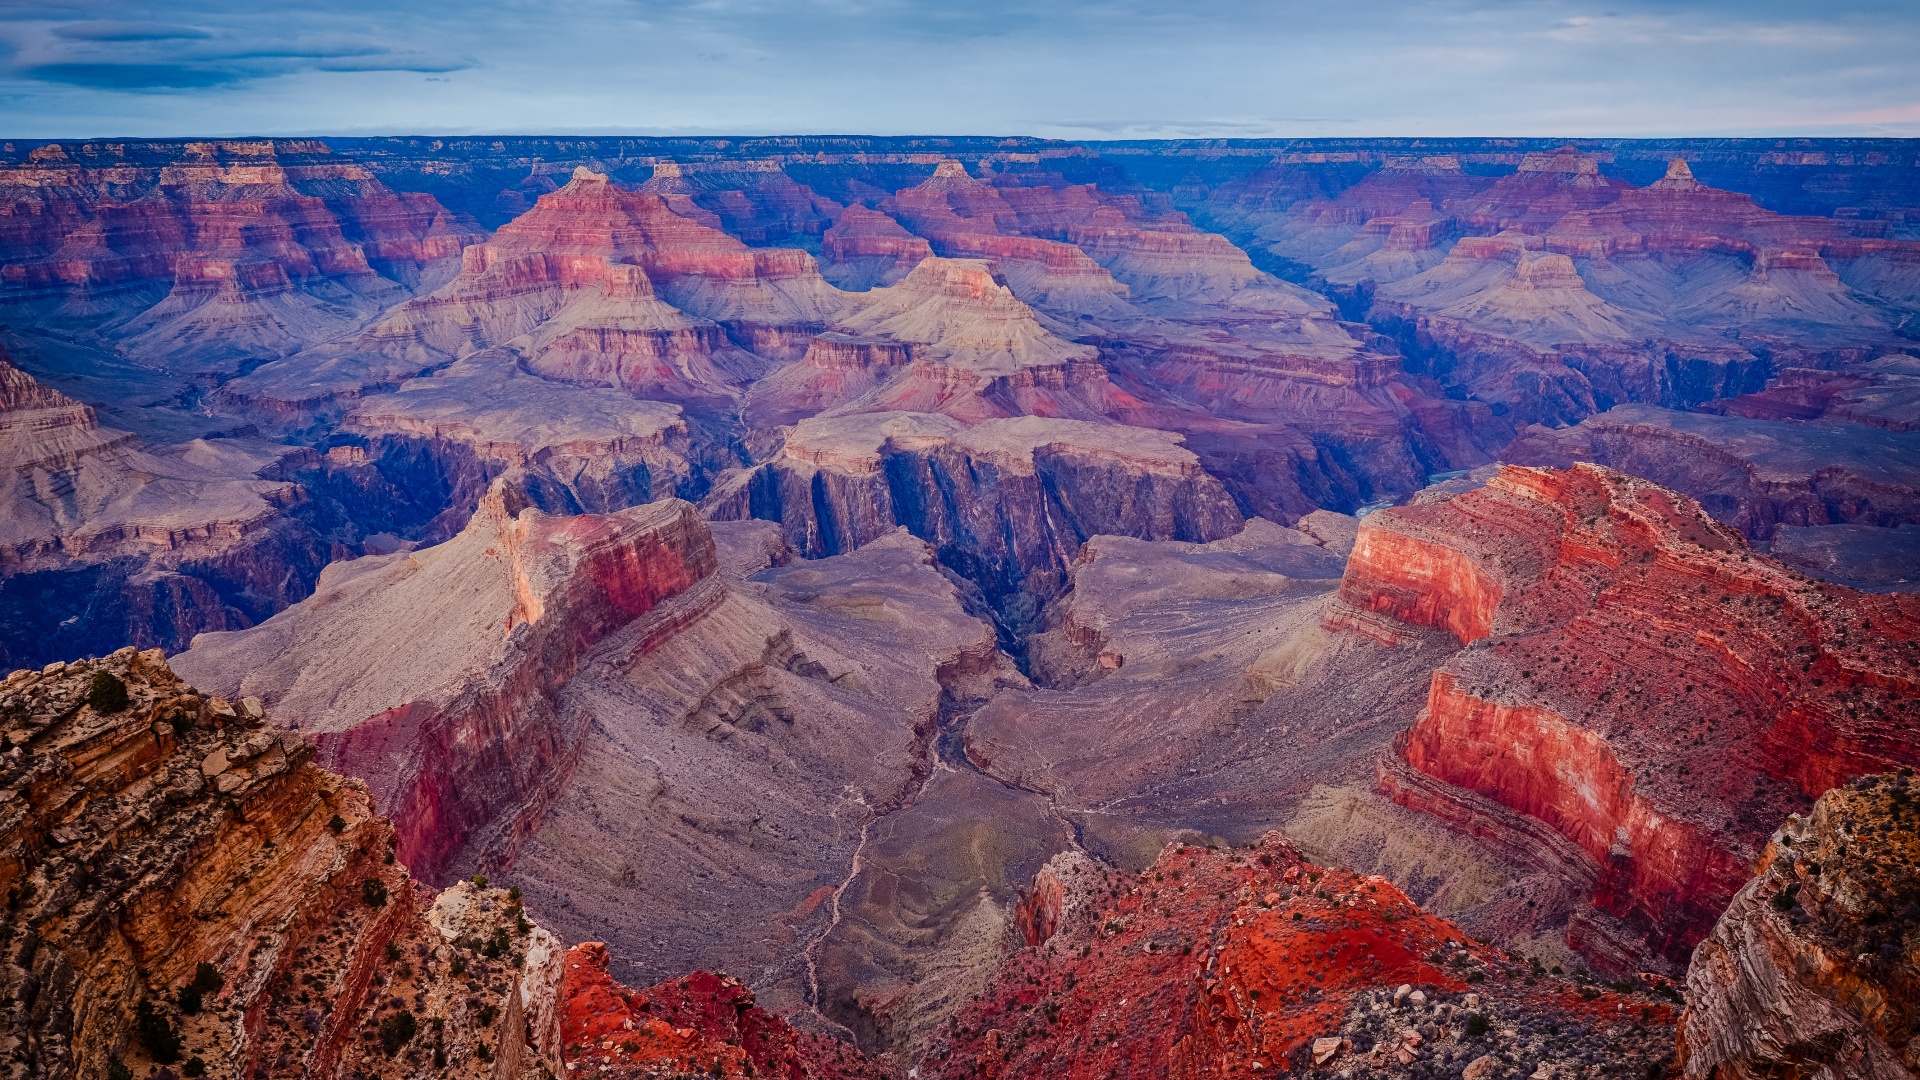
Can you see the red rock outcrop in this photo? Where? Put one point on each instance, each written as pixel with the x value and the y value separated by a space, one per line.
pixel 697 1025
pixel 865 248
pixel 462 750
pixel 1251 961
pixel 753 200
pixel 1635 678
pixel 595 284
pixel 186 890
pixel 235 250
pixel 1812 970
pixel 1673 294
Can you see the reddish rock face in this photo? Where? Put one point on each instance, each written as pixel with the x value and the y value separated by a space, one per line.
pixel 239 910
pixel 700 1024
pixel 1637 679
pixel 457 749
pixel 231 250
pixel 1252 961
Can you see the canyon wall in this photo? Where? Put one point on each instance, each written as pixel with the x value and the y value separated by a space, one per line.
pixel 186 889
pixel 1636 678
pixel 463 749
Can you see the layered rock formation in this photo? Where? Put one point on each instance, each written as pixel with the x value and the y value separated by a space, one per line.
pixel 1000 500
pixel 1618 640
pixel 697 1025
pixel 595 284
pixel 1811 971
pixel 1245 961
pixel 108 541
pixel 1557 291
pixel 186 890
pixel 232 252
pixel 463 749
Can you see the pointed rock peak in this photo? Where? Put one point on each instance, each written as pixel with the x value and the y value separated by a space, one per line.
pixel 1679 178
pixel 584 175
pixel 951 169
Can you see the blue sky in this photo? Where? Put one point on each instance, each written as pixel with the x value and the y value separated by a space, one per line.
pixel 1074 69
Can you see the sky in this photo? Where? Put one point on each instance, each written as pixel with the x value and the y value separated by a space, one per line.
pixel 1073 69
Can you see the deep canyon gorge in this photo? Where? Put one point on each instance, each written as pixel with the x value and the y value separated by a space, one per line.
pixel 910 607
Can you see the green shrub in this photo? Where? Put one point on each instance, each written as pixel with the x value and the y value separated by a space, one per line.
pixel 156 1033
pixel 108 694
pixel 206 980
pixel 397 1031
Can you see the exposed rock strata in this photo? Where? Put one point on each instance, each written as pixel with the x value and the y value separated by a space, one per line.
pixel 179 836
pixel 1619 638
pixel 462 749
pixel 234 251
pixel 1000 500
pixel 698 1025
pixel 1812 970
pixel 104 540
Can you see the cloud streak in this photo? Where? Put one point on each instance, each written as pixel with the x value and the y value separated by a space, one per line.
pixel 1071 68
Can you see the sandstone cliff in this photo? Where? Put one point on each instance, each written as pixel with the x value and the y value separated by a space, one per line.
pixel 232 251
pixel 186 890
pixel 1812 972
pixel 1619 642
pixel 458 740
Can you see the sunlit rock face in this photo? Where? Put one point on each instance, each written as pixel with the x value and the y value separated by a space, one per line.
pixel 1637 679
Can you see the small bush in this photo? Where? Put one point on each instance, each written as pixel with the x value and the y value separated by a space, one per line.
pixel 108 694
pixel 479 881
pixel 393 950
pixel 338 824
pixel 374 892
pixel 487 1013
pixel 513 895
pixel 156 1033
pixel 397 1031
pixel 480 1051
pixel 193 1066
pixel 459 964
pixel 1478 1025
pixel 117 1070
pixel 206 980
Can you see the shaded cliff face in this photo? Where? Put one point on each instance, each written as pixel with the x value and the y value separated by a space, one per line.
pixel 1636 679
pixel 229 252
pixel 187 891
pixel 698 1025
pixel 1812 970
pixel 106 540
pixel 463 749
pixel 1006 503
pixel 1245 961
